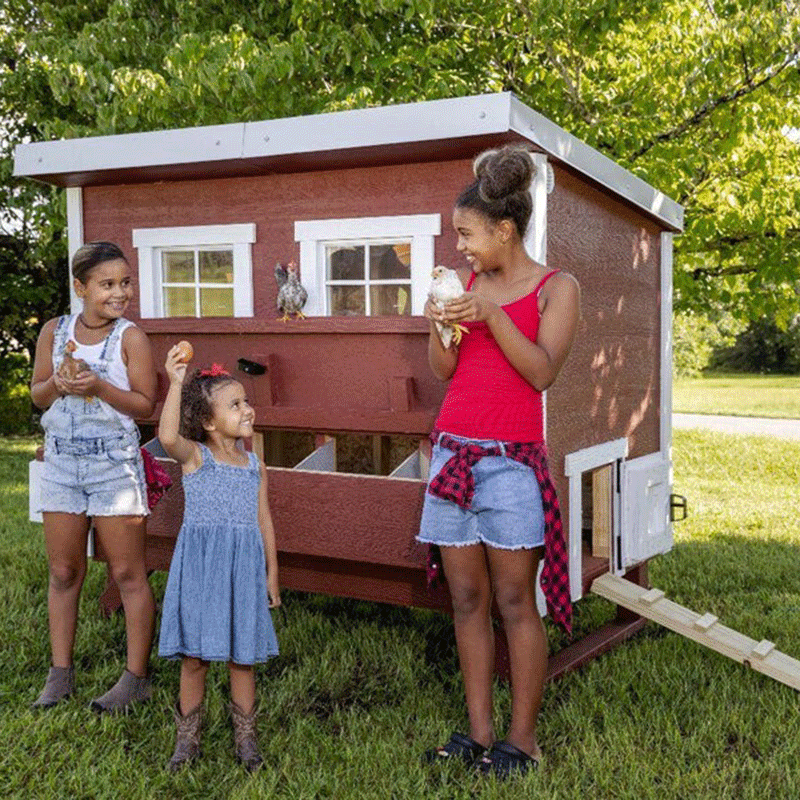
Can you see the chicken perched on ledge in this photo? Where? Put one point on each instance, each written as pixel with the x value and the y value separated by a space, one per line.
pixel 292 295
pixel 446 286
pixel 70 366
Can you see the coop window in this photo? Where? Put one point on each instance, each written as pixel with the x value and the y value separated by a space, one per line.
pixel 367 266
pixel 371 279
pixel 195 271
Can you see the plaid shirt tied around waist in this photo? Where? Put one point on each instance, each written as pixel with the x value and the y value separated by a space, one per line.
pixel 456 483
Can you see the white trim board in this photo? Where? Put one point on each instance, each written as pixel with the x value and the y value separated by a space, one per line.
pixel 312 234
pixel 74 240
pixel 428 121
pixel 148 241
pixel 575 464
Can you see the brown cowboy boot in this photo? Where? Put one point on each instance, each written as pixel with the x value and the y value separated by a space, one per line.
pixel 59 685
pixel 244 734
pixel 187 740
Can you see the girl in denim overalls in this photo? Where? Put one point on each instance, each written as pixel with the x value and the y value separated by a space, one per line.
pixel 93 465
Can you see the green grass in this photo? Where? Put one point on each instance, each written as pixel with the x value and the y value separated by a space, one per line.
pixel 739 394
pixel 360 689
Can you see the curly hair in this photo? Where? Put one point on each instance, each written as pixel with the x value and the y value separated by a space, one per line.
pixel 501 186
pixel 196 404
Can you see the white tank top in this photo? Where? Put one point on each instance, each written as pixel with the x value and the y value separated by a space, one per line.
pixel 90 353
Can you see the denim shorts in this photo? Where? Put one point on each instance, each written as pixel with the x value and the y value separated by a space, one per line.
pixel 96 477
pixel 506 510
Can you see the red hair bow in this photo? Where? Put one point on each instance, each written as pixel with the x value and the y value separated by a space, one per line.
pixel 215 372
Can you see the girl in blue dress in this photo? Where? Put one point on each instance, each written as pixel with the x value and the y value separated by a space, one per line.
pixel 224 573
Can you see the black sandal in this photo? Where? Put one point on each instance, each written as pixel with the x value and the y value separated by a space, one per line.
pixel 503 760
pixel 458 746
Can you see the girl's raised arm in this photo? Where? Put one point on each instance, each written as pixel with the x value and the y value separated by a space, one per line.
pixel 183 450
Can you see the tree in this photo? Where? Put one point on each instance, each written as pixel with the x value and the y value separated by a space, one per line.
pixel 694 96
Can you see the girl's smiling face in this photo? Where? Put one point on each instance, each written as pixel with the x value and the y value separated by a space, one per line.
pixel 107 292
pixel 479 239
pixel 233 415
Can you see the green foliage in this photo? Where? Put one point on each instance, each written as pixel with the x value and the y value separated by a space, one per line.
pixel 694 96
pixel 695 338
pixel 16 410
pixel 763 347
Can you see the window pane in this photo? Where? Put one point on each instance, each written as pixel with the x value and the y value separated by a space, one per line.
pixel 179 301
pixel 389 301
pixel 216 266
pixel 390 261
pixel 216 302
pixel 347 301
pixel 177 266
pixel 345 263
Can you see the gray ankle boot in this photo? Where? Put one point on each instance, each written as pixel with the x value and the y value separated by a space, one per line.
pixel 59 685
pixel 187 739
pixel 244 734
pixel 128 689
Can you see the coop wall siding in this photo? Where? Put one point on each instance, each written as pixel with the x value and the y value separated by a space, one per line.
pixel 274 203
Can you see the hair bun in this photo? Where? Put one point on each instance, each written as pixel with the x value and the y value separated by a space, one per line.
pixel 503 172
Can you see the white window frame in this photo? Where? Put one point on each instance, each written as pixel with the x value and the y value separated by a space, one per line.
pixel 313 235
pixel 150 241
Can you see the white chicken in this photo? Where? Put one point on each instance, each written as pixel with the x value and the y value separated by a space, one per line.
pixel 446 286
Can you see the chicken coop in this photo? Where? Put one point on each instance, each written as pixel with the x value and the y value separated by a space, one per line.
pixel 362 201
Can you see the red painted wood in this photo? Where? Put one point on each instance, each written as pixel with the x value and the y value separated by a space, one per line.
pixel 349 517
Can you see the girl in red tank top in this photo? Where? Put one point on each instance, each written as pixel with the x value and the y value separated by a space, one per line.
pixel 490 503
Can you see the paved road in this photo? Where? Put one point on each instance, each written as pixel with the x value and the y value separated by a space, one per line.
pixel 759 426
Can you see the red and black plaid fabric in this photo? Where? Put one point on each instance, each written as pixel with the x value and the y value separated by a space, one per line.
pixel 455 482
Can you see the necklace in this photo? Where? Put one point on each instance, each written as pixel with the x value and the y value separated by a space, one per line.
pixel 94 327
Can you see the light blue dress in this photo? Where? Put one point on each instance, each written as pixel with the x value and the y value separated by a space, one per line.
pixel 216 606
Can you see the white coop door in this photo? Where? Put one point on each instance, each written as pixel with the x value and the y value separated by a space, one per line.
pixel 645 528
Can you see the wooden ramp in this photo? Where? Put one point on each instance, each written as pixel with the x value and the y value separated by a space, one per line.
pixel 705 629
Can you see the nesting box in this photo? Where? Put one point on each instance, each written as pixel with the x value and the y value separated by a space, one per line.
pixel 362 201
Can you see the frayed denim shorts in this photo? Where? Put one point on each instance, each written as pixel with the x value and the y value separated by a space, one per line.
pixel 506 510
pixel 101 477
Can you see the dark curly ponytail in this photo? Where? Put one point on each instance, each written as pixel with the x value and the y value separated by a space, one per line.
pixel 501 186
pixel 196 404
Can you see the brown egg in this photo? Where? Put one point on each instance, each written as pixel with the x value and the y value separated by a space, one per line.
pixel 186 352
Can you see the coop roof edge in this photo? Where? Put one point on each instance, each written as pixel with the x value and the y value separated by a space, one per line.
pixel 71 162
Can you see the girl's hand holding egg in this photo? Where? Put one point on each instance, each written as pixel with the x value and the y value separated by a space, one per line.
pixel 177 359
pixel 185 351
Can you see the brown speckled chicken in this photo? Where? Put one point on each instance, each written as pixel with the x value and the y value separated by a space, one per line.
pixel 292 295
pixel 71 366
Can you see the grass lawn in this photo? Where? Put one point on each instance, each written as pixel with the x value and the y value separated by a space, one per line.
pixel 739 394
pixel 360 689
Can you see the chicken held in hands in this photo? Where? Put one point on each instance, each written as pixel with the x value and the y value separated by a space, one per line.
pixel 446 286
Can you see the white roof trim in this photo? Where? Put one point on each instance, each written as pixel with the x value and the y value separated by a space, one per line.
pixel 572 151
pixel 432 120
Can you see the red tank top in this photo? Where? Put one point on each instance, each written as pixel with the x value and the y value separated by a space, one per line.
pixel 487 398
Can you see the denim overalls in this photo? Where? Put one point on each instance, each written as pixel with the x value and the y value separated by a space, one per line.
pixel 93 464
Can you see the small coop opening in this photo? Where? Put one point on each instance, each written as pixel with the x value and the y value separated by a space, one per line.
pixel 354 454
pixel 597 507
pixel 283 448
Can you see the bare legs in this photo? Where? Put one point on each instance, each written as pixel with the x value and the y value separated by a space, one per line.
pixel 65 539
pixel 193 682
pixel 473 572
pixel 471 593
pixel 122 539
